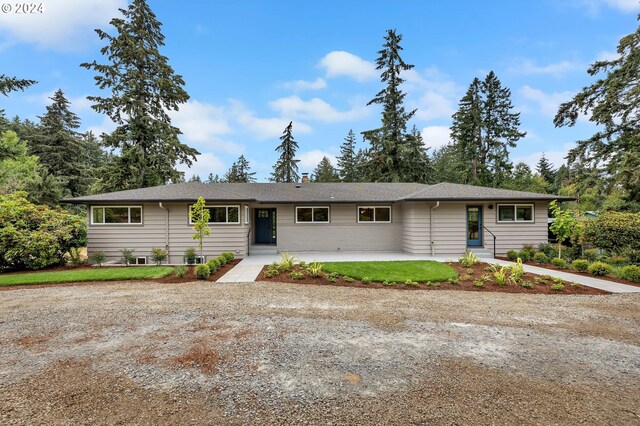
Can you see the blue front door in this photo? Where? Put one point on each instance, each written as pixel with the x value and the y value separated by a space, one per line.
pixel 265 226
pixel 474 225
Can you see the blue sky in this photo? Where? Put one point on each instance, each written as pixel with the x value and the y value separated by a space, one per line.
pixel 252 66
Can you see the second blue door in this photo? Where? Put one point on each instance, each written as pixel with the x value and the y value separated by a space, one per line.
pixel 474 225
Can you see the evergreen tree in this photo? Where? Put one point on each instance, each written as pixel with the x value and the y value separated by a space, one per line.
pixel 414 157
pixel 195 178
pixel 385 160
pixel 142 88
pixel 240 172
pixel 213 179
pixel 61 149
pixel 19 171
pixel 325 172
pixel 446 165
pixel 347 160
pixel 546 170
pixel 12 84
pixel 466 133
pixel 613 102
pixel 286 168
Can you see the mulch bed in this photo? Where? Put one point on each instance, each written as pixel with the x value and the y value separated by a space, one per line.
pixel 573 271
pixel 465 285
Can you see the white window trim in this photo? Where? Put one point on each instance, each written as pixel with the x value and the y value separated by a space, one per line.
pixel 141 257
pixel 117 224
pixel 246 215
pixel 515 215
pixel 312 215
pixel 218 223
pixel 374 214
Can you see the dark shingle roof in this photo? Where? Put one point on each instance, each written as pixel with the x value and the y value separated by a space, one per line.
pixel 310 193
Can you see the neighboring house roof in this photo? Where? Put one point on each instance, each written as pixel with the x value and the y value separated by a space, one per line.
pixel 308 193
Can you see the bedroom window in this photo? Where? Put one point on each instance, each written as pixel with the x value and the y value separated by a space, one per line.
pixel 515 213
pixel 116 215
pixel 312 214
pixel 222 214
pixel 377 214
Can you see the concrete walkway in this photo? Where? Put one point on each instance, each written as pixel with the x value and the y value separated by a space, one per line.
pixel 249 268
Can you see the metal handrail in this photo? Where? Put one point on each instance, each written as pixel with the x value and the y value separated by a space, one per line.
pixel 494 240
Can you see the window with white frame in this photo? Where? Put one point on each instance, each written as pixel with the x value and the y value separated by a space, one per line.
pixel 116 215
pixel 508 213
pixel 246 215
pixel 312 214
pixel 141 260
pixel 221 214
pixel 374 214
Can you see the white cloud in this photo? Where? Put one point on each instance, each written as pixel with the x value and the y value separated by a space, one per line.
pixel 433 105
pixel 264 128
pixel 314 109
pixel 436 136
pixel 593 6
pixel 205 163
pixel 309 160
pixel 548 103
pixel 203 123
pixel 300 85
pixel 63 25
pixel 439 93
pixel 607 56
pixel 527 66
pixel 340 63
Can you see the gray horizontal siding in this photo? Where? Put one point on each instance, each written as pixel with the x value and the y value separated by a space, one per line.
pixel 343 233
pixel 415 229
pixel 514 235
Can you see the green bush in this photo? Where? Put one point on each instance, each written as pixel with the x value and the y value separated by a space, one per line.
pixel 158 255
pixel 202 271
pixel 548 250
pixel 228 256
pixel 314 268
pixel 617 260
pixel 632 254
pixel 525 255
pixel 214 265
pixel 366 280
pixel 75 259
pixel 181 271
pixel 286 261
pixel 540 258
pixel 98 258
pixel 127 256
pixel 591 255
pixel 529 248
pixel 296 275
pixel 349 279
pixel 631 273
pixel 222 260
pixel 614 231
pixel 34 236
pixel 469 259
pixel 600 268
pixel 271 272
pixel 190 256
pixel 512 255
pixel 580 265
pixel 557 287
pixel 560 263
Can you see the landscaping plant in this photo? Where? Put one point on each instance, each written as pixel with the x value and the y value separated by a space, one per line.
pixel 222 260
pixel 631 273
pixel 512 255
pixel 315 269
pixel 181 271
pixel 228 256
pixel 287 261
pixel 200 216
pixel 202 271
pixel 564 224
pixel 614 231
pixel 75 259
pixel 214 265
pixel 540 258
pixel 190 256
pixel 296 275
pixel 600 268
pixel 158 255
pixel 560 263
pixel 98 258
pixel 580 265
pixel 127 256
pixel 500 276
pixel 517 271
pixel 469 259
pixel 557 287
pixel 525 255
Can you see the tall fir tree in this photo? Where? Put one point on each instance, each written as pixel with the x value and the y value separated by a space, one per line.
pixel 13 84
pixel 61 149
pixel 142 88
pixel 385 161
pixel 325 172
pixel 240 172
pixel 347 165
pixel 546 170
pixel 414 157
pixel 613 102
pixel 466 133
pixel 213 179
pixel 286 168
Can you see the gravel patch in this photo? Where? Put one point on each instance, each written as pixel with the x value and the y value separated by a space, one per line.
pixel 268 353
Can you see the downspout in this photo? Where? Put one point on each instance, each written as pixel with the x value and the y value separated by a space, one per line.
pixel 433 248
pixel 166 227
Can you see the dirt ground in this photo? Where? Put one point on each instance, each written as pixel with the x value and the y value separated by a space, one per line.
pixel 270 353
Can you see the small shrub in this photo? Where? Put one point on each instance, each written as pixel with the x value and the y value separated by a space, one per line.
pixel 180 271
pixel 271 272
pixel 478 283
pixel 202 271
pixel 558 280
pixel 529 248
pixel 512 255
pixel 98 258
pixel 302 264
pixel 454 280
pixel 525 255
pixel 517 271
pixel 228 256
pixel 75 259
pixel 127 256
pixel 632 254
pixel 349 279
pixel 469 271
pixel 580 264
pixel 500 276
pixel 548 250
pixel 190 256
pixel 466 277
pixel 365 280
pixel 158 255
pixel 469 259
pixel 411 283
pixel 296 275
pixel 538 280
pixel 631 273
pixel 560 263
pixel 287 261
pixel 388 283
pixel 591 255
pixel 557 287
pixel 314 268
pixel 617 260
pixel 599 268
pixel 526 284
pixel 222 260
pixel 540 258
pixel 334 275
pixel 214 265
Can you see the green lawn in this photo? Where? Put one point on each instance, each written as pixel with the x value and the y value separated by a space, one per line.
pixel 397 271
pixel 94 274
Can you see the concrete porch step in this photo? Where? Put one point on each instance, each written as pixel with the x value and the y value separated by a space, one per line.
pixel 481 252
pixel 259 250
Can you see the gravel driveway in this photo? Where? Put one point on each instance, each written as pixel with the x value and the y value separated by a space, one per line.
pixel 268 353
